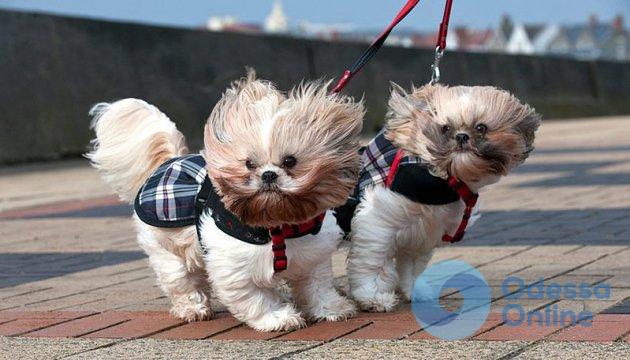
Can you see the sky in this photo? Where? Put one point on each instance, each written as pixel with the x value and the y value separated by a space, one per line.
pixel 362 14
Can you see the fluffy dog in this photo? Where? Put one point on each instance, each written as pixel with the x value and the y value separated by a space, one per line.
pixel 471 135
pixel 271 159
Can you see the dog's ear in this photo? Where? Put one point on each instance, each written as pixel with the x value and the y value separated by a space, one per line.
pixel 527 126
pixel 399 104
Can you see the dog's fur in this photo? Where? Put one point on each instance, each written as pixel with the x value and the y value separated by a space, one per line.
pixel 252 129
pixel 393 237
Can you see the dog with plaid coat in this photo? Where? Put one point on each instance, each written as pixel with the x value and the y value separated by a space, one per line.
pixel 420 179
pixel 243 217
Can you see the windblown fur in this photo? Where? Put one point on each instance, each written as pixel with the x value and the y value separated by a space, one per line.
pixel 477 134
pixel 256 124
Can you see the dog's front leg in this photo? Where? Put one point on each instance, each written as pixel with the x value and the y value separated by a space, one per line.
pixel 242 278
pixel 260 307
pixel 316 294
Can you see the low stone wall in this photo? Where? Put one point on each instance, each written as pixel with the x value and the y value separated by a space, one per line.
pixel 53 69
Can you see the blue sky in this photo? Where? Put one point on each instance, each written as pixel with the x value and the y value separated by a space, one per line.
pixel 361 13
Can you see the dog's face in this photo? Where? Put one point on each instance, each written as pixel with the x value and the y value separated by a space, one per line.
pixel 278 158
pixel 474 133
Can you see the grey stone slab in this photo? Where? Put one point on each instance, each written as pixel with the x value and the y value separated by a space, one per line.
pixel 12 348
pixel 576 350
pixel 149 349
pixel 372 349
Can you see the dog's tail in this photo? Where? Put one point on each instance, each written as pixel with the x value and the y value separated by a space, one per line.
pixel 133 138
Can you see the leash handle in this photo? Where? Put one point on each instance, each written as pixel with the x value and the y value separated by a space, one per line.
pixel 373 49
pixel 440 44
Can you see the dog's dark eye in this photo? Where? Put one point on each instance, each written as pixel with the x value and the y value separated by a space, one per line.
pixel 445 129
pixel 482 128
pixel 289 161
pixel 249 164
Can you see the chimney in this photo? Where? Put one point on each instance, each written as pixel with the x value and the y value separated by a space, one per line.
pixel 618 23
pixel 592 20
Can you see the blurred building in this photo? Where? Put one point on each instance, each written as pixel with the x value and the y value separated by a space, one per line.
pixel 231 24
pixel 277 21
pixel 588 41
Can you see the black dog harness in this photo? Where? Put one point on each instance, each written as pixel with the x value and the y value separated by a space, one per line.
pixel 178 192
pixel 382 164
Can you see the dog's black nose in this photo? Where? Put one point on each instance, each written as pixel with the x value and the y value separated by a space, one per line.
pixel 269 176
pixel 462 138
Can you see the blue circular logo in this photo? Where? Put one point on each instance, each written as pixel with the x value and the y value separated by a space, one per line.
pixel 473 288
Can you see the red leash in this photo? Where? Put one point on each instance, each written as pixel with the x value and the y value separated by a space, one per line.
pixel 441 40
pixel 373 49
pixel 279 234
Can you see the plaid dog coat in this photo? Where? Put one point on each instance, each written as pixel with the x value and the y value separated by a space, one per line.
pixel 167 198
pixel 178 192
pixel 410 176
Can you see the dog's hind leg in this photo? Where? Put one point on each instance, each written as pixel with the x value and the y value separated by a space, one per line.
pixel 409 268
pixel 371 272
pixel 177 261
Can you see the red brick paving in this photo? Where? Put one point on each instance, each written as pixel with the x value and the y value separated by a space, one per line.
pixel 25 322
pixel 523 332
pixel 385 330
pixel 493 320
pixel 244 332
pixel 325 331
pixel 605 327
pixel 82 326
pixel 397 325
pixel 141 324
pixel 200 329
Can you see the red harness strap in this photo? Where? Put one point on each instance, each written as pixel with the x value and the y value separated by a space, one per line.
pixel 279 234
pixel 470 199
pixel 465 194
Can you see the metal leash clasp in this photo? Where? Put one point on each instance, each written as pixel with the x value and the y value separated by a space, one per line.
pixel 435 68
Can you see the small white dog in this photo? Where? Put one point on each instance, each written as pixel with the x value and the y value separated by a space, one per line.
pixel 270 159
pixel 420 177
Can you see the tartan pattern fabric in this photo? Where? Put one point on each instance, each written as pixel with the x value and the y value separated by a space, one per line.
pixel 377 160
pixel 167 199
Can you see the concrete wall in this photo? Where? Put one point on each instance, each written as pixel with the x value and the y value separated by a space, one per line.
pixel 52 69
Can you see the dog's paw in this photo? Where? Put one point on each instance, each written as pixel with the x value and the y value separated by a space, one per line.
pixel 405 295
pixel 193 307
pixel 283 319
pixel 381 302
pixel 339 310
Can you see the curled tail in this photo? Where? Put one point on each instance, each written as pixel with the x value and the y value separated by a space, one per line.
pixel 133 138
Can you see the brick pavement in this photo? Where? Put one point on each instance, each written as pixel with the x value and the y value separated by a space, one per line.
pixel 69 266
